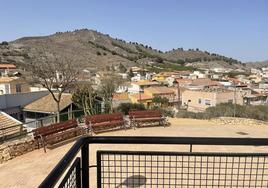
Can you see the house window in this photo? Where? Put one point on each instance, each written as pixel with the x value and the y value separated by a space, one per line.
pixel 207 102
pixel 199 101
pixel 18 88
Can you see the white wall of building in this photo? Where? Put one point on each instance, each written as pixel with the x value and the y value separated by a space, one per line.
pixel 4 89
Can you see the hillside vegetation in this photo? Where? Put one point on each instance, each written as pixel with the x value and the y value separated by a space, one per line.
pixel 97 50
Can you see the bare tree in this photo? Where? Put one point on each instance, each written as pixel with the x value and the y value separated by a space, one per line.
pixel 84 96
pixel 53 73
pixel 107 89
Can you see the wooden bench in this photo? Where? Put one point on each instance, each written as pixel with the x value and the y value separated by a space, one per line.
pixel 146 117
pixel 58 132
pixel 104 122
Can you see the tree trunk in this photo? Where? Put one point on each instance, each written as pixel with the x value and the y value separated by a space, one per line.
pixel 58 111
pixel 111 106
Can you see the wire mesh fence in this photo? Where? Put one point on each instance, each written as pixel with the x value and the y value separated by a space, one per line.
pixel 169 169
pixel 73 177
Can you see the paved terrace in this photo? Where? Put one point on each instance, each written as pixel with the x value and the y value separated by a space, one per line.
pixel 30 169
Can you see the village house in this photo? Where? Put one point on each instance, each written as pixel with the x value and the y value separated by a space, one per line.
pixel 139 74
pixel 162 76
pixel 146 98
pixel 221 70
pixel 122 88
pixel 255 71
pixel 5 69
pixel 200 83
pixel 255 78
pixel 139 86
pixel 198 74
pixel 119 98
pixel 183 82
pixel 217 76
pixel 163 92
pixel 12 85
pixel 141 98
pixel 46 106
pixel 200 100
pixel 12 104
pixel 255 99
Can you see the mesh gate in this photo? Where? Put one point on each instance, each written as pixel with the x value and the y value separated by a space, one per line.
pixel 176 169
pixel 72 179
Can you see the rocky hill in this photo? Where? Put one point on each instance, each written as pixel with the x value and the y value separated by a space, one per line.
pixel 99 51
pixel 258 64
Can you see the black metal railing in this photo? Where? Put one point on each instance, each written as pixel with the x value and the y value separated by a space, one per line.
pixel 162 168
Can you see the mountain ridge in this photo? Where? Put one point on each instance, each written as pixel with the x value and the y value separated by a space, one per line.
pixel 258 64
pixel 99 50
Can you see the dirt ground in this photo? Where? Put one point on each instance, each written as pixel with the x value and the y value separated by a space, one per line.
pixel 30 169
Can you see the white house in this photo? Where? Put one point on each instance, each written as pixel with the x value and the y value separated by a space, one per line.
pixel 5 68
pixel 123 88
pixel 198 74
pixel 137 87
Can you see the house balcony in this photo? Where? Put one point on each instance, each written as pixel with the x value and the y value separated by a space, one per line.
pixel 88 164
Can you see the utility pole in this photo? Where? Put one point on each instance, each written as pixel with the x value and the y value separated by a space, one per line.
pixel 234 99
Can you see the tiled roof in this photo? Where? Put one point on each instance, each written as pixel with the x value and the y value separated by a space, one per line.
pixel 141 96
pixel 159 90
pixel 145 82
pixel 206 82
pixel 48 105
pixel 7 121
pixel 184 81
pixel 213 90
pixel 7 66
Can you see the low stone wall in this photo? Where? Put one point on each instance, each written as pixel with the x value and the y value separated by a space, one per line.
pixel 237 121
pixel 12 149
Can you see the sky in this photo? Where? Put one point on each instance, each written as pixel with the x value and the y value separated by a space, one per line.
pixel 234 28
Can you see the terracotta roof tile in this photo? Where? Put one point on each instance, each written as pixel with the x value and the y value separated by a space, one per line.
pixel 7 66
pixel 141 96
pixel 159 90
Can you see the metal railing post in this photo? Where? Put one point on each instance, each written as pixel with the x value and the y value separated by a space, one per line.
pixel 191 147
pixel 85 168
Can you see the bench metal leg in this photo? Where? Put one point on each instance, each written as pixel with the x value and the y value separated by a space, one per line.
pixel 43 142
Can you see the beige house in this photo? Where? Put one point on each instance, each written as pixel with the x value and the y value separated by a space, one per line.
pixel 149 93
pixel 199 100
pixel 12 85
pixel 164 92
